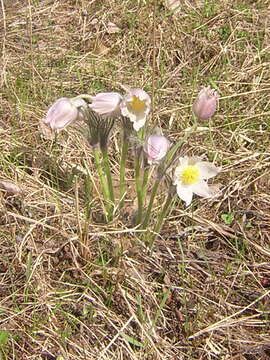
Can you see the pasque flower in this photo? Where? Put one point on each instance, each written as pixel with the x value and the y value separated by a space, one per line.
pixel 107 104
pixel 190 176
pixel 155 148
pixel 136 106
pixel 205 105
pixel 63 112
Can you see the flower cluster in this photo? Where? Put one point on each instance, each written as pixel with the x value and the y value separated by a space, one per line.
pixel 100 111
pixel 135 105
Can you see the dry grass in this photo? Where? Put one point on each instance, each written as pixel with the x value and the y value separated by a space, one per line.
pixel 77 290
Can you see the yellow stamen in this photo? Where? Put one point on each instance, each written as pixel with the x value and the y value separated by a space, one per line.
pixel 190 175
pixel 137 104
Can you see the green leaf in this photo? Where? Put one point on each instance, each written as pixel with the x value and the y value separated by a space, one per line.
pixel 131 340
pixel 227 218
pixel 3 337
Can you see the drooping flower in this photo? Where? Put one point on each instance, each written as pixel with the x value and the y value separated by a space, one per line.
pixel 107 104
pixel 155 148
pixel 136 106
pixel 190 176
pixel 63 112
pixel 205 105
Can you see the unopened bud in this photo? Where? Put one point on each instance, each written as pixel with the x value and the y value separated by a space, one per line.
pixel 155 148
pixel 205 105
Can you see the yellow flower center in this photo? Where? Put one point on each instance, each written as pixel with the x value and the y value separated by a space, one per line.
pixel 190 175
pixel 137 104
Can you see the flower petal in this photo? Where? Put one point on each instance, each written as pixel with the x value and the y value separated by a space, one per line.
pixel 106 103
pixel 185 193
pixel 138 124
pixel 207 170
pixel 178 170
pixel 61 114
pixel 201 188
pixel 136 112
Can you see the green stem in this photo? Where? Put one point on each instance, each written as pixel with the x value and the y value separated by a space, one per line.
pixel 145 181
pixel 161 217
pixel 108 174
pixel 123 161
pixel 151 201
pixel 138 189
pixel 104 187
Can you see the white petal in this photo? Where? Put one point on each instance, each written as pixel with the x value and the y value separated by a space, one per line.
pixel 124 110
pixel 207 170
pixel 201 189
pixel 138 124
pixel 185 193
pixel 78 103
pixel 141 94
pixel 178 170
pixel 183 161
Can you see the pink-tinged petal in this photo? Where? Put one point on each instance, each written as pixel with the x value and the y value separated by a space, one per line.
pixel 201 188
pixel 207 170
pixel 78 102
pixel 156 147
pixel 106 103
pixel 140 93
pixel 61 114
pixel 205 104
pixel 185 193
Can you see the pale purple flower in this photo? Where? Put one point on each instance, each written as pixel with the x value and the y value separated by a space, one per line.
pixel 136 106
pixel 107 104
pixel 63 112
pixel 155 148
pixel 205 105
pixel 190 176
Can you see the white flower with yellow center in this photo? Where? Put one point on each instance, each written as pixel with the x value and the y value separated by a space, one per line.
pixel 190 176
pixel 136 106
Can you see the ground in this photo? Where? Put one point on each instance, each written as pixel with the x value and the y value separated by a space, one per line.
pixel 75 287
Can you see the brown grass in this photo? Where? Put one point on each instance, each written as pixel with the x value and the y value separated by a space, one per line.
pixel 73 289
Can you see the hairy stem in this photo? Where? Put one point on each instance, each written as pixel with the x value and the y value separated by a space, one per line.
pixel 161 217
pixel 150 204
pixel 138 189
pixel 103 182
pixel 108 174
pixel 123 161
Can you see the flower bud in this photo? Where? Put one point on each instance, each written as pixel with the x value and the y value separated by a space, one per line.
pixel 106 104
pixel 155 148
pixel 63 112
pixel 205 105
